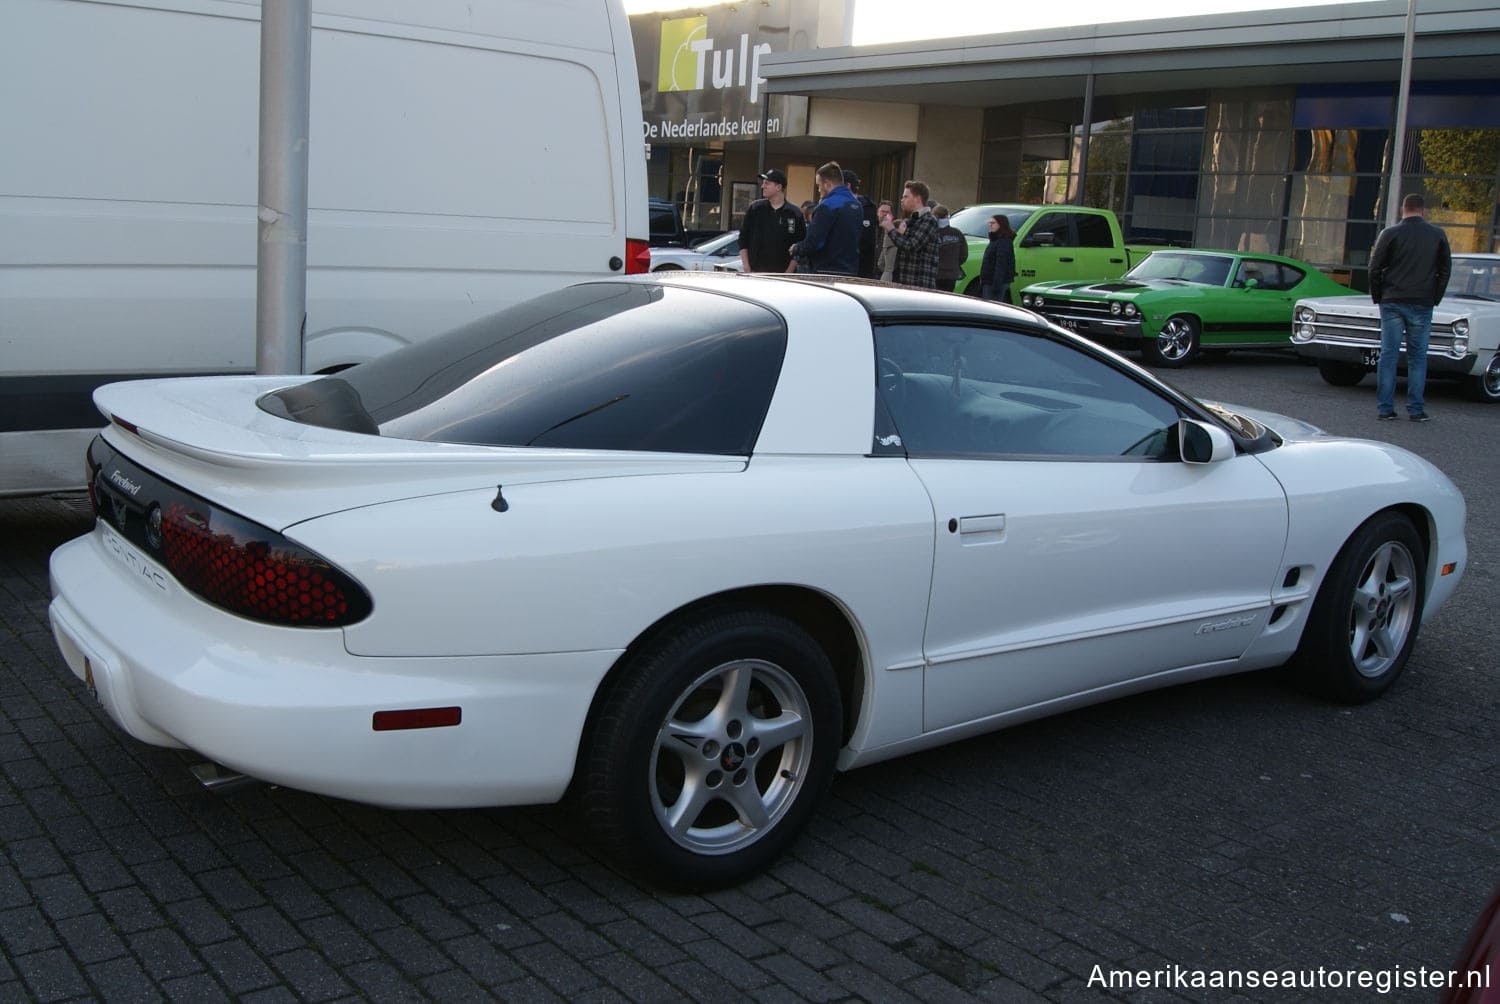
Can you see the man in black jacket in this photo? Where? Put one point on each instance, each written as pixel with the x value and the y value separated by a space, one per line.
pixel 868 237
pixel 1409 269
pixel 770 227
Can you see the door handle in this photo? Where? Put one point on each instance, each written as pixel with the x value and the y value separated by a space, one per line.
pixel 1117 261
pixel 994 523
pixel 1065 259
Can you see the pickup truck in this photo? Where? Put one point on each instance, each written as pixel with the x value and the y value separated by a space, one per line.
pixel 667 230
pixel 1052 243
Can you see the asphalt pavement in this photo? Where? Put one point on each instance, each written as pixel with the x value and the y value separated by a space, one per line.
pixel 1232 830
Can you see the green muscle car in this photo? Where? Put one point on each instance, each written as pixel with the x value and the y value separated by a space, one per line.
pixel 1176 303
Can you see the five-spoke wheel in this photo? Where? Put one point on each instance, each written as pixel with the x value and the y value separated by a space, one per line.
pixel 711 747
pixel 1364 620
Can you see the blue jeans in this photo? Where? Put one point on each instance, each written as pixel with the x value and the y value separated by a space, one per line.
pixel 1413 322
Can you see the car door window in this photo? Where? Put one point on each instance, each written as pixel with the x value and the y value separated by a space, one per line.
pixel 1094 232
pixel 957 390
pixel 1283 277
pixel 1060 227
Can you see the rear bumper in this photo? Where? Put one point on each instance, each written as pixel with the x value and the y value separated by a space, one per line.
pixel 291 706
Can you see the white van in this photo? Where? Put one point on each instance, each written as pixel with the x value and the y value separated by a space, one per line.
pixel 462 156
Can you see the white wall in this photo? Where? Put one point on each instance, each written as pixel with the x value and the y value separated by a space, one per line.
pixel 834 117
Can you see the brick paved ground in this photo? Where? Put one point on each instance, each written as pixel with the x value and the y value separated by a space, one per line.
pixel 1230 824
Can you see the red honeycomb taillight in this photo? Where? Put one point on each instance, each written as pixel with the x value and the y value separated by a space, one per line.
pixel 253 571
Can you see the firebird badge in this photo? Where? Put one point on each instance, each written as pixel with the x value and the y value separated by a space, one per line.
pixel 1225 625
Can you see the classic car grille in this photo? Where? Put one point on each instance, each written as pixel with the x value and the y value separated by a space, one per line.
pixel 1364 329
pixel 1076 308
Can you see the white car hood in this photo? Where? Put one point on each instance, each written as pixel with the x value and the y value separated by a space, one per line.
pixel 1449 310
pixel 207 435
pixel 1288 428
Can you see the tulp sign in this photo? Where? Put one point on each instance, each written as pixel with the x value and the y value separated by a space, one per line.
pixel 707 82
pixel 685 52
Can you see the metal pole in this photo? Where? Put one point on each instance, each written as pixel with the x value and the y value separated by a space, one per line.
pixel 281 257
pixel 1083 147
pixel 765 120
pixel 1398 148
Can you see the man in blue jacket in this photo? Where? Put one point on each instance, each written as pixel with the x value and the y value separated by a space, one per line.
pixel 832 242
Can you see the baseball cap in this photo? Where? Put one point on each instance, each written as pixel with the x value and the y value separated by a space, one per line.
pixel 774 175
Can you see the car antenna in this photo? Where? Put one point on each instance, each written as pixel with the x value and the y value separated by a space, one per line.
pixel 500 505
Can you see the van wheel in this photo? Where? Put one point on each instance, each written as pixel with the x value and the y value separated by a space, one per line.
pixel 1364 620
pixel 711 748
pixel 1340 374
pixel 1486 386
pixel 1176 345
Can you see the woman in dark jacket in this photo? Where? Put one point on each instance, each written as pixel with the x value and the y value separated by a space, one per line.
pixel 999 268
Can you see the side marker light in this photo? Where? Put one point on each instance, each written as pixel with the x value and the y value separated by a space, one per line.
pixel 416 718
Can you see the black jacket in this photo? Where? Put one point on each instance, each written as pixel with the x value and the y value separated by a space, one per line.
pixel 869 237
pixel 1410 263
pixel 999 268
pixel 767 234
pixel 953 251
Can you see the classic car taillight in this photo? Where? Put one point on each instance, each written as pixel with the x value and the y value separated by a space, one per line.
pixel 253 571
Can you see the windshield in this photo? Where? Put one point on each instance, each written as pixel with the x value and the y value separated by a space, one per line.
pixel 710 245
pixel 975 220
pixel 1475 277
pixel 1187 267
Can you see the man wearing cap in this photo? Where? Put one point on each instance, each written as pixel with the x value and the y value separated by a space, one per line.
pixel 870 236
pixel 771 226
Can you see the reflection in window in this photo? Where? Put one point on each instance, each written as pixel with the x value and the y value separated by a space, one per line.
pixel 1246 160
pixel 956 390
pixel 1457 169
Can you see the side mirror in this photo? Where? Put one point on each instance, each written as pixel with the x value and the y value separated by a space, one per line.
pixel 1202 443
pixel 1045 238
pixel 1251 283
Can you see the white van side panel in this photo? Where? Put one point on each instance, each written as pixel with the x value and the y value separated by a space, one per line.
pixel 462 156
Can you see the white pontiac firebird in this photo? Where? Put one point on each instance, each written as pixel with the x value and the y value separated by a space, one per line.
pixel 680 547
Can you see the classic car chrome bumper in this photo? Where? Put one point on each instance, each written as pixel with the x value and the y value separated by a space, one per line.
pixel 1439 363
pixel 1094 327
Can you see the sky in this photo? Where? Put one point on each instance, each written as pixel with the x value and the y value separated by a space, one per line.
pixel 894 20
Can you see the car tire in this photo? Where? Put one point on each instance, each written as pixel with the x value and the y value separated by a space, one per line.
pixel 1364 620
pixel 1176 345
pixel 737 711
pixel 1486 386
pixel 1340 374
pixel 667 268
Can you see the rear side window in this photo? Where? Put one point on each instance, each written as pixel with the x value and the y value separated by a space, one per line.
pixel 598 367
pixel 1094 232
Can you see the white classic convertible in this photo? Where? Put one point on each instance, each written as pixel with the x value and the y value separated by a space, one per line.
pixel 679 547
pixel 1343 333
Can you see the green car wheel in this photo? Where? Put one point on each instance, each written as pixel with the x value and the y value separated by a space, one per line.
pixel 1177 344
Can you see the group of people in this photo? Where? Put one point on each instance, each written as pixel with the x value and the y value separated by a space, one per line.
pixel 845 233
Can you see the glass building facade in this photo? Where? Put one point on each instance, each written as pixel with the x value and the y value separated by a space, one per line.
pixel 1296 170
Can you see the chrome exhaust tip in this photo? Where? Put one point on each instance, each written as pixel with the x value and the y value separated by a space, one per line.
pixel 220 779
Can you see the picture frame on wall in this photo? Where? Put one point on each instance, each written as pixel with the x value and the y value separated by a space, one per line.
pixel 741 194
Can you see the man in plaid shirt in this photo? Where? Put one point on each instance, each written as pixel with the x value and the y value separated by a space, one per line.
pixel 916 239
